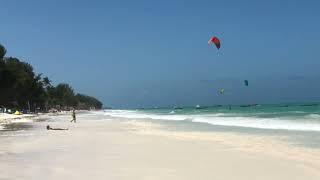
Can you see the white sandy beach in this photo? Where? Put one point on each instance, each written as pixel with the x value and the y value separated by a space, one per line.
pixel 112 149
pixel 11 118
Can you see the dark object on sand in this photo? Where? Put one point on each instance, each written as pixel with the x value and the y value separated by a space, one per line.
pixel 50 128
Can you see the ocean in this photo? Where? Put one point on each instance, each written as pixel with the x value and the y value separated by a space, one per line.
pixel 300 123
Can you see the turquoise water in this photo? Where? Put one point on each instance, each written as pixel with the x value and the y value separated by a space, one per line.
pixel 299 117
pixel 259 111
pixel 299 122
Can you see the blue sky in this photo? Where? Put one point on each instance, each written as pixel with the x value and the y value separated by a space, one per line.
pixel 155 53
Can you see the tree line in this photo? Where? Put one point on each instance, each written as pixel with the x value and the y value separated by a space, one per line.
pixel 22 88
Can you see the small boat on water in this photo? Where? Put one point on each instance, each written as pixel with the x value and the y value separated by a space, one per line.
pixel 200 107
pixel 176 107
pixel 309 105
pixel 250 105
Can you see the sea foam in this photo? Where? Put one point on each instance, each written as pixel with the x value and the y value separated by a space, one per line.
pixel 309 122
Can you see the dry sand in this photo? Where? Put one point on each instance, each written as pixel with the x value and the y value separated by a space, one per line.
pixel 120 150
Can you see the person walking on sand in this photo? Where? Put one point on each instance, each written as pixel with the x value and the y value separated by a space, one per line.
pixel 73 116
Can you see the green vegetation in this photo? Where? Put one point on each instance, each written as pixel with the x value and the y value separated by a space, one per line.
pixel 22 88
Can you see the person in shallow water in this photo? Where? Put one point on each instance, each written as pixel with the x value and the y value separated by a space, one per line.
pixel 50 128
pixel 73 116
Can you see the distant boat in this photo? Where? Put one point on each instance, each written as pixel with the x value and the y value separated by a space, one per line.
pixel 250 105
pixel 175 107
pixel 200 107
pixel 309 105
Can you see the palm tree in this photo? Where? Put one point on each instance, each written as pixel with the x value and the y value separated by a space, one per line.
pixel 46 82
pixel 3 51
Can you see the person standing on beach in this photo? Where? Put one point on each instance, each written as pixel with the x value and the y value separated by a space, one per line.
pixel 73 116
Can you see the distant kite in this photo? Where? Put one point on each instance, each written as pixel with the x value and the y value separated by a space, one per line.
pixel 246 82
pixel 216 41
pixel 221 91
